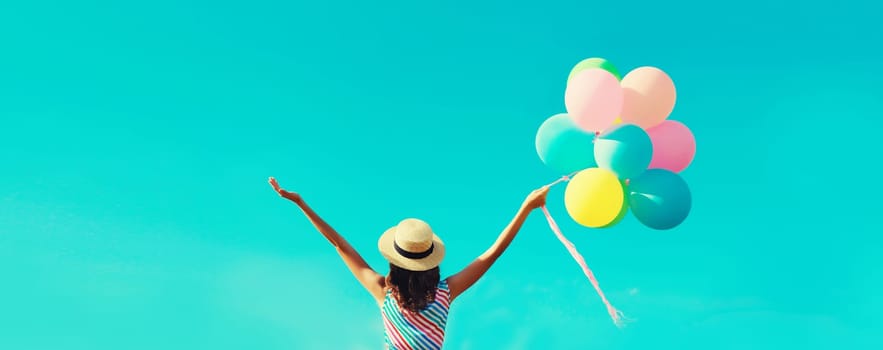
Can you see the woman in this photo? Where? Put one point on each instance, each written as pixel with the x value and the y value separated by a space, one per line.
pixel 414 301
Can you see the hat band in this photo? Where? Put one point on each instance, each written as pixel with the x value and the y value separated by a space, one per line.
pixel 411 255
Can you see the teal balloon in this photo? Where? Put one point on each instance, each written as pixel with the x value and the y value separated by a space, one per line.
pixel 625 149
pixel 563 146
pixel 659 199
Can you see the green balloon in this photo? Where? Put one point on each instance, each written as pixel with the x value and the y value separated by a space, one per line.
pixel 622 211
pixel 594 62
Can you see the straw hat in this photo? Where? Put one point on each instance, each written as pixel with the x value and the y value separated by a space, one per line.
pixel 412 246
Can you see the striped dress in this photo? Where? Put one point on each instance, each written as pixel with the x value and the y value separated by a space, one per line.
pixel 406 330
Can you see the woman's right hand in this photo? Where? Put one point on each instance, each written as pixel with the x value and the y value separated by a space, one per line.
pixel 537 198
pixel 294 197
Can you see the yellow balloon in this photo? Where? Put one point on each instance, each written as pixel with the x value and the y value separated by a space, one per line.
pixel 617 121
pixel 594 197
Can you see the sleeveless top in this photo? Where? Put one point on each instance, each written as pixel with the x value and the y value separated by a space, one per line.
pixel 406 330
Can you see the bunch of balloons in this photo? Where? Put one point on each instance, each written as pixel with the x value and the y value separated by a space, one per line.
pixel 618 141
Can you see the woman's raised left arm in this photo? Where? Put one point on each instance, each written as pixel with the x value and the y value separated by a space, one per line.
pixel 370 279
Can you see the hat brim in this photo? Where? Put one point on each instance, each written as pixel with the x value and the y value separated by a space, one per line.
pixel 386 244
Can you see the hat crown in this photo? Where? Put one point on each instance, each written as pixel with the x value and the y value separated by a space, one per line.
pixel 413 235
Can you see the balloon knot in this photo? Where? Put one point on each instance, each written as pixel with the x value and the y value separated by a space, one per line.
pixel 627 181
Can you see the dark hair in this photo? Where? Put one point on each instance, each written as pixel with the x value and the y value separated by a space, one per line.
pixel 413 290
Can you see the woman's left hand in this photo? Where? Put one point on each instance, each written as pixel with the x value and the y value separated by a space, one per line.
pixel 537 198
pixel 294 197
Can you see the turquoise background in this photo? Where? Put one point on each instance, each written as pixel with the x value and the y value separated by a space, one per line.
pixel 137 138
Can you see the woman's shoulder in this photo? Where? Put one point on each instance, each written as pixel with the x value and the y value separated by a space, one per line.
pixel 444 289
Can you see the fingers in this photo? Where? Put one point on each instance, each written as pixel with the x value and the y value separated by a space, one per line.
pixel 538 197
pixel 274 184
pixel 283 193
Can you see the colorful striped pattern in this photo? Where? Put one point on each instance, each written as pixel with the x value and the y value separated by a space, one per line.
pixel 417 331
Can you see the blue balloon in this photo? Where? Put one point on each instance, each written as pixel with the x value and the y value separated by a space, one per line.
pixel 625 149
pixel 659 198
pixel 563 146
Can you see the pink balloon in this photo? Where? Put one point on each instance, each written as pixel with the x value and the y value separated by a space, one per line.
pixel 649 97
pixel 593 99
pixel 673 146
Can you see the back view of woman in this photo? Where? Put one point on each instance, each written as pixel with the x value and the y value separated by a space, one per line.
pixel 413 299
